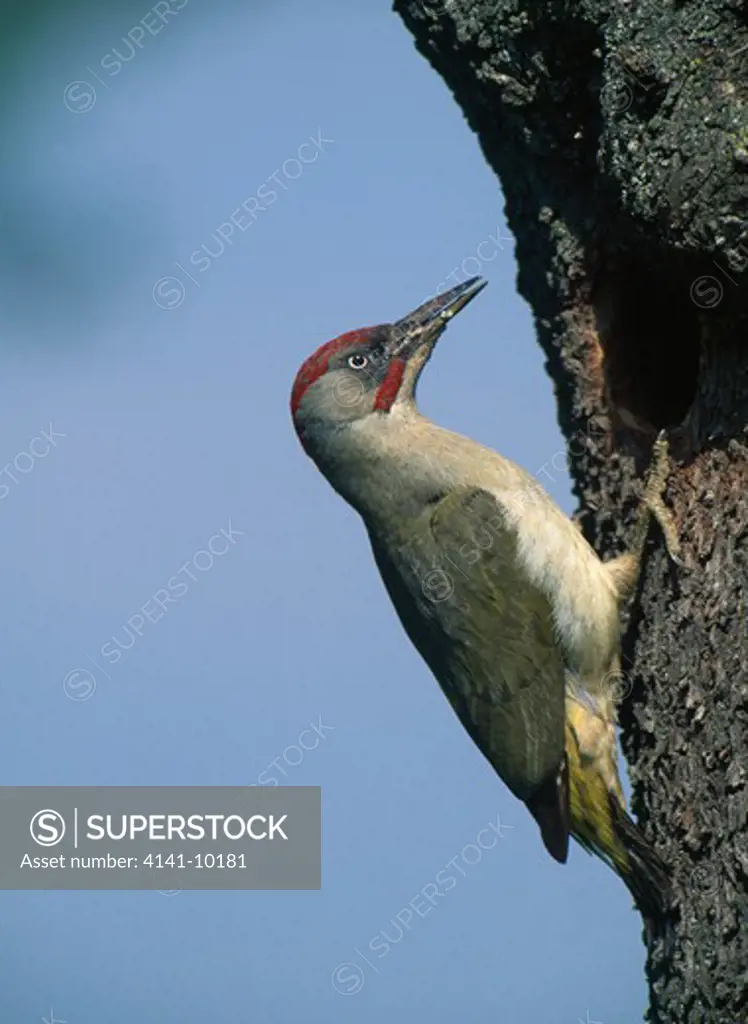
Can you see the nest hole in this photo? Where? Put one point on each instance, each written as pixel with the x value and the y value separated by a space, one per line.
pixel 649 332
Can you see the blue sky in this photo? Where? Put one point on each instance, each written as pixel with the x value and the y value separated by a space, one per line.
pixel 169 407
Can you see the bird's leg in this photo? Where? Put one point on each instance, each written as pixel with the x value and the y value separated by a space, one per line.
pixel 625 569
pixel 653 505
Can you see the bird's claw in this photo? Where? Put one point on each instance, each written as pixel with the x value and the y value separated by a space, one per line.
pixel 652 499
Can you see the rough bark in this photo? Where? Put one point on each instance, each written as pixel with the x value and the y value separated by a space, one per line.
pixel 619 132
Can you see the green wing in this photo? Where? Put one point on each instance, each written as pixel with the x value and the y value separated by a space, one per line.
pixel 486 632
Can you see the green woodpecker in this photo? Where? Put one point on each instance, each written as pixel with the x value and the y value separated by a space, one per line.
pixel 507 603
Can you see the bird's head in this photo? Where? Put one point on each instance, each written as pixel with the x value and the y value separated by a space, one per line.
pixel 371 372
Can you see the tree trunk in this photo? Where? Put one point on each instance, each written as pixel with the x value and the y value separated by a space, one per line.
pixel 619 131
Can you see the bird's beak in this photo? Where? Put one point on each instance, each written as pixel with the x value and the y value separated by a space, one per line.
pixel 413 338
pixel 428 321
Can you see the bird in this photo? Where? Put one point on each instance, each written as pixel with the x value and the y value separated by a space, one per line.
pixel 507 603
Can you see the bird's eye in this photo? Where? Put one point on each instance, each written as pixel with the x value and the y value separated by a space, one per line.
pixel 357 362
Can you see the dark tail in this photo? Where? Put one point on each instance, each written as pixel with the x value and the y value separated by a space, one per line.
pixel 646 877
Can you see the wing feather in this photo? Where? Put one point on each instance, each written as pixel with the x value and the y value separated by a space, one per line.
pixel 486 631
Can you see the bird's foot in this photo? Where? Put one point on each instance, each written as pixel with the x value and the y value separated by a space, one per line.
pixel 652 502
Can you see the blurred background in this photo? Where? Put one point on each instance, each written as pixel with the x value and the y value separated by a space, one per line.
pixel 148 348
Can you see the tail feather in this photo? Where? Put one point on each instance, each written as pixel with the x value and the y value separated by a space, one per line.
pixel 645 875
pixel 600 823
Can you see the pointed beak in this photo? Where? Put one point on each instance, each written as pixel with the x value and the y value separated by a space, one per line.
pixel 421 328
